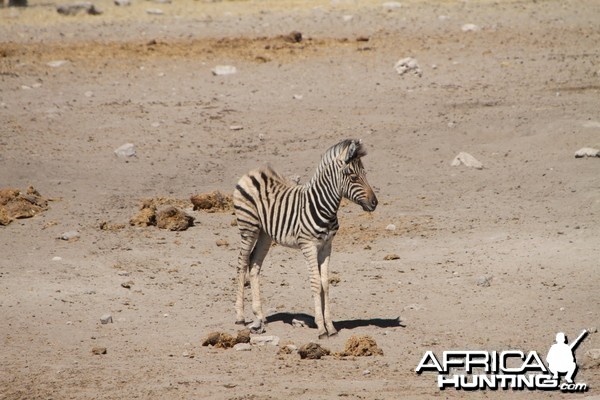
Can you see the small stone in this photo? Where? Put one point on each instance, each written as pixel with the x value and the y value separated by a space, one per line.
pixel 391 5
pixel 470 28
pixel 127 285
pixel 242 347
pixel 84 7
pixel 99 350
pixel 408 64
pixel 390 227
pixel 264 340
pixel 56 258
pixel 89 93
pixel 222 242
pixel 296 323
pixel 366 372
pixel 106 319
pixel 293 37
pixel 221 70
pixel 155 11
pixel 236 127
pixel 587 152
pixel 298 97
pixel 122 3
pixel 484 281
pixel 391 257
pixel 57 63
pixel 70 236
pixel 466 159
pixel 125 151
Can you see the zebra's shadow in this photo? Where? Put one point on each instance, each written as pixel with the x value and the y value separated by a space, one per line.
pixel 309 321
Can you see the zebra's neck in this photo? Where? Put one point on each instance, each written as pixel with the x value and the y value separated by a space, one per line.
pixel 324 193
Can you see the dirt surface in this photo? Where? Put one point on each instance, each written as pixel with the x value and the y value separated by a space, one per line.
pixel 497 258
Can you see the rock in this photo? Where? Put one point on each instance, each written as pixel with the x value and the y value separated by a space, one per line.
pixel 347 18
pixel 173 219
pixel 236 127
pixel 89 94
pixel 242 347
pixel 122 3
pixel 297 97
pixel 264 340
pixel 361 346
pixel 391 257
pixel 69 236
pixel 470 28
pixel 106 319
pixel 408 64
pixel 57 258
pixel 313 351
pixel 84 7
pixel 99 350
pixel 127 285
pixel 484 281
pixel 125 151
pixel 57 63
pixel 296 323
pixel 391 5
pixel 221 70
pixel 587 152
pixel 212 201
pixel 466 159
pixel 222 242
pixel 366 372
pixel 293 37
pixel 155 11
pixel 390 227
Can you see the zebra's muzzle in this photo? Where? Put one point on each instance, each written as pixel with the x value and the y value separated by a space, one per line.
pixel 369 204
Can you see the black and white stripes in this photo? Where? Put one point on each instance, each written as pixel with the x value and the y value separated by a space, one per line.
pixel 269 208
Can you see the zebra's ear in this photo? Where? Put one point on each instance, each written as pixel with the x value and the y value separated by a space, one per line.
pixel 355 150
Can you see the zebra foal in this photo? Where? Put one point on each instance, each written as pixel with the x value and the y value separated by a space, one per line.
pixel 269 208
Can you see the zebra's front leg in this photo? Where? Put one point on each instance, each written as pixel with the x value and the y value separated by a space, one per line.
pixel 261 248
pixel 311 253
pixel 248 241
pixel 324 255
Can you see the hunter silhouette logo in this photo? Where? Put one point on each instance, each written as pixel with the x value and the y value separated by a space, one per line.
pixel 510 369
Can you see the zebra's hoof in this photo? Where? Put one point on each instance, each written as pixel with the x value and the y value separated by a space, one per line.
pixel 257 327
pixel 323 335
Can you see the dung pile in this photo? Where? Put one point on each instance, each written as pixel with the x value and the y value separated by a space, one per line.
pixel 223 340
pixel 163 213
pixel 313 351
pixel 212 202
pixel 15 204
pixel 361 346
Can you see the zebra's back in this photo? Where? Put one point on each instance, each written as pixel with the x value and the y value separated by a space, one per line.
pixel 264 200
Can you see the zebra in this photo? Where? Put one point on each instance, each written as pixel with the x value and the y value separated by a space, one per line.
pixel 269 208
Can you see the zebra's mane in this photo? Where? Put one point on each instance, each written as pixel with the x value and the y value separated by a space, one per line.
pixel 349 145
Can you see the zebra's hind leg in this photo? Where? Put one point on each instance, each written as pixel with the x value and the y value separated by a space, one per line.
pixel 249 238
pixel 310 253
pixel 261 248
pixel 324 255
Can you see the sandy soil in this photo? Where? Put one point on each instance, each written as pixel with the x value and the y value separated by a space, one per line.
pixel 521 94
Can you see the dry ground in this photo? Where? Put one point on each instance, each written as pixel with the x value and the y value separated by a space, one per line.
pixel 521 94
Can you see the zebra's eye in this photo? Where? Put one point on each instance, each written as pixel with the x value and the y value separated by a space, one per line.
pixel 353 178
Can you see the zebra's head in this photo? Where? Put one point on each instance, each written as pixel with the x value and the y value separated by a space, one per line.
pixel 354 184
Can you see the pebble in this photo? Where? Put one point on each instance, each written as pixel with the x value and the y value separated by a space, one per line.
pixel 291 347
pixel 264 340
pixel 587 152
pixel 391 257
pixel 57 63
pixel 466 159
pixel 407 64
pixel 298 97
pixel 84 7
pixel 222 242
pixel 347 18
pixel 89 93
pixel 220 70
pixel 122 3
pixel 242 347
pixel 106 319
pixel 155 11
pixel 470 28
pixel 57 258
pixel 296 323
pixel 126 150
pixel 390 227
pixel 391 5
pixel 366 372
pixel 236 127
pixel 484 281
pixel 70 235
pixel 98 350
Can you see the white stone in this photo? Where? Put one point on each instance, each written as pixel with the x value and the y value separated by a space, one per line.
pixel 407 64
pixel 587 152
pixel 236 127
pixel 466 159
pixel 126 150
pixel 390 227
pixel 106 319
pixel 264 340
pixel 155 11
pixel 57 258
pixel 220 70
pixel 391 5
pixel 242 347
pixel 470 28
pixel 57 63
pixel 70 235
pixel 296 323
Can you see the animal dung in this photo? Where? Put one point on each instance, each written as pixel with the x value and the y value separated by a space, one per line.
pixel 361 346
pixel 313 351
pixel 211 202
